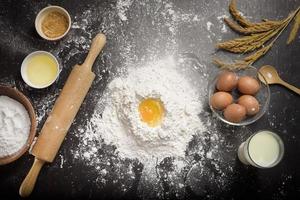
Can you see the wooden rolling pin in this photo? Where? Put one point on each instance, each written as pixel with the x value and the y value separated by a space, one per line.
pixel 62 114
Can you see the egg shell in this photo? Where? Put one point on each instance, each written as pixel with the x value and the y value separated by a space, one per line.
pixel 227 81
pixel 248 85
pixel 235 113
pixel 250 103
pixel 221 100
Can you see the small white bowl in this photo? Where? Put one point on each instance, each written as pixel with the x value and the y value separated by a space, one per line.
pixel 24 69
pixel 43 13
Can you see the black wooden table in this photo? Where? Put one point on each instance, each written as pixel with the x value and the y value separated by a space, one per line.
pixel 141 30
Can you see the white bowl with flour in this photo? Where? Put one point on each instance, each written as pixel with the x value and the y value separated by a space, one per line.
pixel 17 124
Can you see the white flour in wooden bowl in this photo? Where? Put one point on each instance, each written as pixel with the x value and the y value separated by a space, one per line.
pixel 14 126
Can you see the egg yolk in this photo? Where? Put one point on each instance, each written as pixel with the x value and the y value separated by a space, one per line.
pixel 151 111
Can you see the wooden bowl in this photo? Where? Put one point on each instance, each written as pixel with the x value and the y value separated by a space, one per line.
pixel 20 97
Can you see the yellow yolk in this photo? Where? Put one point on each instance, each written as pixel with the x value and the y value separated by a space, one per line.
pixel 151 111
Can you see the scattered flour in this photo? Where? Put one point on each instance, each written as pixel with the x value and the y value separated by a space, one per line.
pixel 122 7
pixel 156 29
pixel 209 25
pixel 221 21
pixel 101 152
pixel 203 149
pixel 224 28
pixel 43 104
pixel 221 18
pixel 14 126
pixel 61 161
pixel 121 125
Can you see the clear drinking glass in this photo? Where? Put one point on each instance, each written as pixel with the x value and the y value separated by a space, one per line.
pixel 263 149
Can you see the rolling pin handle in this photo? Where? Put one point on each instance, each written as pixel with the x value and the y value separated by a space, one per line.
pixel 96 46
pixel 29 182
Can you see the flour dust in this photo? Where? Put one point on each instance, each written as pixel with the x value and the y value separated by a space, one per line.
pixel 140 33
pixel 160 176
pixel 120 123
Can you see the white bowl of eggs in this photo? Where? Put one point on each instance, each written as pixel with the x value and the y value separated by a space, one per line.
pixel 238 97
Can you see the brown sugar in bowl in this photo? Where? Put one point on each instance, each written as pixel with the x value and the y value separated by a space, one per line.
pixel 59 12
pixel 21 98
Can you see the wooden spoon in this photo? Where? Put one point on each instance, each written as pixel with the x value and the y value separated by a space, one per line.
pixel 271 76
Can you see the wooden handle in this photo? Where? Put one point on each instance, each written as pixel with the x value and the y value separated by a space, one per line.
pixel 289 86
pixel 29 182
pixel 96 46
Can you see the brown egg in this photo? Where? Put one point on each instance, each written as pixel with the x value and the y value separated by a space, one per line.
pixel 227 81
pixel 248 85
pixel 250 103
pixel 221 100
pixel 235 113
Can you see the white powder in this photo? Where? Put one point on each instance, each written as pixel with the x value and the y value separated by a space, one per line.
pixel 154 179
pixel 222 17
pixel 121 125
pixel 221 21
pixel 209 25
pixel 14 126
pixel 122 7
pixel 224 29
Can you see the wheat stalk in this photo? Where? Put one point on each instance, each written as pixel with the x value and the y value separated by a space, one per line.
pixel 257 34
pixel 247 43
pixel 295 29
pixel 256 28
pixel 237 16
pixel 254 57
pixel 238 64
pixel 252 42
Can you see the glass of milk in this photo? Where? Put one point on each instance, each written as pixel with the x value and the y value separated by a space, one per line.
pixel 263 149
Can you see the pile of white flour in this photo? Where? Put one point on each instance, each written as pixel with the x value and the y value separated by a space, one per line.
pixel 121 125
pixel 14 126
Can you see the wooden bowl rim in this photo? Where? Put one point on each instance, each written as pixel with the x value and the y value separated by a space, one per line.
pixel 21 98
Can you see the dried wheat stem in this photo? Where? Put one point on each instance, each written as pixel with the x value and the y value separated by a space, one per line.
pixel 247 43
pixel 236 65
pixel 257 34
pixel 237 16
pixel 255 56
pixel 254 41
pixel 256 28
pixel 295 29
pixel 288 21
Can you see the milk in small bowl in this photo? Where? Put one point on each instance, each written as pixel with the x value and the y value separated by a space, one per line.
pixel 39 69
